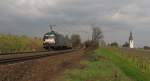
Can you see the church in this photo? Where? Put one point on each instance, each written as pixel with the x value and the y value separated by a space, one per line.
pixel 131 41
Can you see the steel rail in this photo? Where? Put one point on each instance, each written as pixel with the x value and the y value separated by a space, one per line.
pixel 21 52
pixel 26 56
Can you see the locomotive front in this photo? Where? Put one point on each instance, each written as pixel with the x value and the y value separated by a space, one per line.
pixel 49 40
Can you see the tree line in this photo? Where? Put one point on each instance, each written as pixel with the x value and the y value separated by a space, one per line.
pixel 95 41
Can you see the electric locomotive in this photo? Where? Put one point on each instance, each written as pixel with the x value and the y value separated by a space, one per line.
pixel 55 41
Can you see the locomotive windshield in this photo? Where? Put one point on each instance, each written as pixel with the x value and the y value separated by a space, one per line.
pixel 49 36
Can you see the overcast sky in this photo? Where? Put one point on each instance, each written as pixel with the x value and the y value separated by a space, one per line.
pixel 115 17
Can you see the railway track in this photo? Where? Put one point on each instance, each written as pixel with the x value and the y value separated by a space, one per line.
pixel 21 57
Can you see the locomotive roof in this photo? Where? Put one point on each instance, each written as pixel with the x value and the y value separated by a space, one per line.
pixel 52 32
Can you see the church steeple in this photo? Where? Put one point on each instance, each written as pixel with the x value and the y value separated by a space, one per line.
pixel 131 37
pixel 131 42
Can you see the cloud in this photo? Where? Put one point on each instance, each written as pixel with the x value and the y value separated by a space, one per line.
pixel 27 8
pixel 132 16
pixel 115 17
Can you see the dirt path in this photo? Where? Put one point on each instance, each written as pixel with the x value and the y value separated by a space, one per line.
pixel 45 69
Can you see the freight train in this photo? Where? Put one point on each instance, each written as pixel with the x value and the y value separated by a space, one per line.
pixel 55 41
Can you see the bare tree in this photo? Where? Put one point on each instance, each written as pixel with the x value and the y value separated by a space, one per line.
pixel 97 35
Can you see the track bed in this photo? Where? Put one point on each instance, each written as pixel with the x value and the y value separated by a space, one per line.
pixel 44 69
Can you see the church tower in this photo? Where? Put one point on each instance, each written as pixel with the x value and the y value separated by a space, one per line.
pixel 131 42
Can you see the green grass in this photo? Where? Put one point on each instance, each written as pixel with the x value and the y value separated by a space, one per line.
pixel 95 68
pixel 105 64
pixel 126 66
pixel 98 71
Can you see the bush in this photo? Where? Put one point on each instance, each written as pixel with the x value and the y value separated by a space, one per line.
pixel 114 44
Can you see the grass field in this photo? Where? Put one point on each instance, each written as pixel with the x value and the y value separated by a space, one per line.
pixel 14 43
pixel 126 64
pixel 109 64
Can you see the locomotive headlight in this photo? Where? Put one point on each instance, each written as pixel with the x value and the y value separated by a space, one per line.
pixel 50 40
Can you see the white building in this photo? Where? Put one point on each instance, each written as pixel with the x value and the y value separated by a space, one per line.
pixel 131 41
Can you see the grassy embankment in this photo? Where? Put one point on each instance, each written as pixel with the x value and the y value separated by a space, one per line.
pixel 13 43
pixel 106 65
